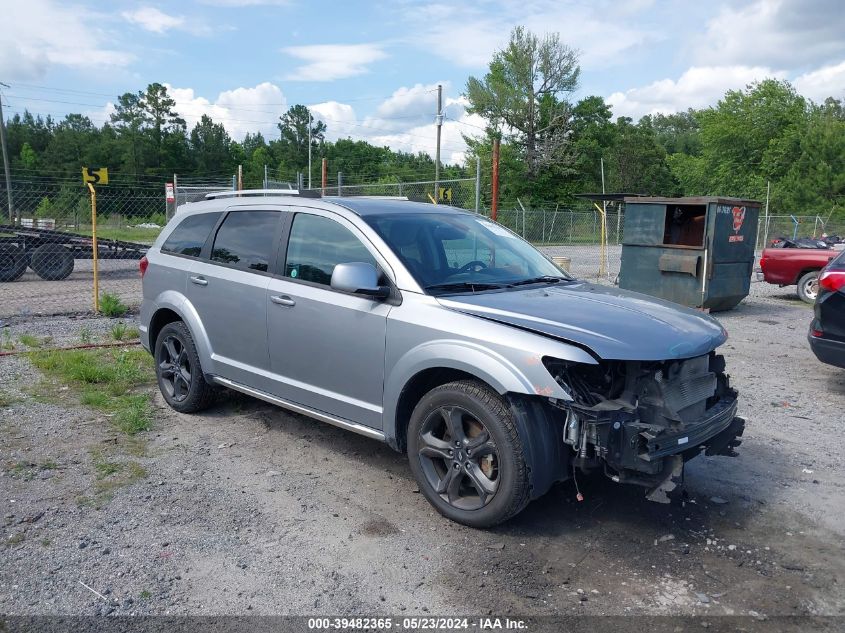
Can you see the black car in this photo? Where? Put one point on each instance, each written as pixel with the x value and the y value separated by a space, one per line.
pixel 827 331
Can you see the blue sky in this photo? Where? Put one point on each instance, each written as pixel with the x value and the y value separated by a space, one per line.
pixel 369 69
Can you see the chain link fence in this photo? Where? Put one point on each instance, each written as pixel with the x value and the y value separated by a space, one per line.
pixel 46 259
pixel 46 256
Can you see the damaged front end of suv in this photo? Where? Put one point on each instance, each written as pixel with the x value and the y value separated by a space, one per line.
pixel 639 421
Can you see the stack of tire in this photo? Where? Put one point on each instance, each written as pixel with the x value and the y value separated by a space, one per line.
pixel 52 262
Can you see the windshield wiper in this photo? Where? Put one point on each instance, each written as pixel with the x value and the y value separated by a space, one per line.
pixel 464 285
pixel 549 279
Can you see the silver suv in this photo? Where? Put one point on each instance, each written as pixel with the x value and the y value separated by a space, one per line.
pixel 440 333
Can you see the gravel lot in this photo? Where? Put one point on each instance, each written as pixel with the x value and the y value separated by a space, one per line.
pixel 249 509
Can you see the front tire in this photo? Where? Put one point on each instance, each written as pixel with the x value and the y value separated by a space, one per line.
pixel 178 370
pixel 808 286
pixel 466 454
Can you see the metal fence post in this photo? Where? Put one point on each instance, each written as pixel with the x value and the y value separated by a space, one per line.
pixel 477 183
pixel 94 253
pixel 339 183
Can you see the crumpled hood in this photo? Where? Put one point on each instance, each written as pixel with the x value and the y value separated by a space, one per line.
pixel 615 324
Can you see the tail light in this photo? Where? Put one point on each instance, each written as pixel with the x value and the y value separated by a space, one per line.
pixel 832 280
pixel 816 332
pixel 763 263
pixel 142 265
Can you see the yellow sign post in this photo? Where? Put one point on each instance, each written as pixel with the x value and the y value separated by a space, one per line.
pixel 95 175
pixel 94 253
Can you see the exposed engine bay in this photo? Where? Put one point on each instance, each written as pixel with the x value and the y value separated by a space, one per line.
pixel 640 421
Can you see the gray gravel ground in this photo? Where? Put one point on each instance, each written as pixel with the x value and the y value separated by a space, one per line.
pixel 249 509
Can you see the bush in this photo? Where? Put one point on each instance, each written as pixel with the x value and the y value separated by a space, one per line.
pixel 111 305
pixel 44 209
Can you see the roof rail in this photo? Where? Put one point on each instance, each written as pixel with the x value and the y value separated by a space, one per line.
pixel 261 192
pixel 379 197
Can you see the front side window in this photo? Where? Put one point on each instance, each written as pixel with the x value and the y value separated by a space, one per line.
pixel 188 238
pixel 245 240
pixel 317 245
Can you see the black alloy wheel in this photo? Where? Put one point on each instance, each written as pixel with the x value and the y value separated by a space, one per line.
pixel 467 455
pixel 180 376
pixel 174 368
pixel 459 458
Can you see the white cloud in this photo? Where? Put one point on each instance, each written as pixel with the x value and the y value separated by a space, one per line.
pixel 48 33
pixel 240 110
pixel 151 19
pixel 779 33
pixel 818 85
pixel 245 3
pixel 327 62
pixel 405 122
pixel 697 87
pixel 468 34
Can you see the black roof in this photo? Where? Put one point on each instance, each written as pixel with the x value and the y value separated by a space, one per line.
pixel 385 206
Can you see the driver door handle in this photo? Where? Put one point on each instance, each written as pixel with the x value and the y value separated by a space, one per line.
pixel 284 300
pixel 200 281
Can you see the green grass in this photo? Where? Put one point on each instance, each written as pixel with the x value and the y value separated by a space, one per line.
pixel 118 331
pixel 29 340
pixel 123 233
pixel 146 595
pixel 85 335
pixel 111 305
pixel 6 344
pixel 105 379
pixel 110 476
pixel 6 400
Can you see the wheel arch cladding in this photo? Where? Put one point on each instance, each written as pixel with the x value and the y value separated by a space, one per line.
pixel 417 386
pixel 161 317
pixel 540 429
pixel 452 362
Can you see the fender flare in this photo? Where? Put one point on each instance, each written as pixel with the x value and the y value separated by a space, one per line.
pixel 476 360
pixel 178 303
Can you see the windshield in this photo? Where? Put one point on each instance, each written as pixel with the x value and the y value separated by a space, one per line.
pixel 457 252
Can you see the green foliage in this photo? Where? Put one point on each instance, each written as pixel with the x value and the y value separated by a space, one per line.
pixel 105 379
pixel 524 96
pixel 44 209
pixel 111 305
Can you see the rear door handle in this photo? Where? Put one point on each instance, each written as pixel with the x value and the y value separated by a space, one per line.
pixel 200 281
pixel 284 300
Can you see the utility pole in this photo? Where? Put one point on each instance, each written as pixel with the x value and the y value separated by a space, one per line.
pixel 309 148
pixel 439 122
pixel 324 176
pixel 6 158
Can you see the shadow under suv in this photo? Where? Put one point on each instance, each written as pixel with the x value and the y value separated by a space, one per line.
pixel 440 333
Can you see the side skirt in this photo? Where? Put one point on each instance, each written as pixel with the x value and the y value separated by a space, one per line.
pixel 298 408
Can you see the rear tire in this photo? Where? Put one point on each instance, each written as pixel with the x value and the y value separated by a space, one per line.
pixel 13 263
pixel 178 370
pixel 466 454
pixel 808 286
pixel 52 262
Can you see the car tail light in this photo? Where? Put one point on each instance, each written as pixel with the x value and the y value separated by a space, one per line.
pixel 832 280
pixel 816 332
pixel 142 265
pixel 763 263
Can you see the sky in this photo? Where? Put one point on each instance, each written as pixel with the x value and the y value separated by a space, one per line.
pixel 370 70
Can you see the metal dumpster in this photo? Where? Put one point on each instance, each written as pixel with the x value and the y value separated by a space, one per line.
pixel 698 252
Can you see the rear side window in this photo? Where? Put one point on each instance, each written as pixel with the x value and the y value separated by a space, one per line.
pixel 245 240
pixel 317 245
pixel 189 237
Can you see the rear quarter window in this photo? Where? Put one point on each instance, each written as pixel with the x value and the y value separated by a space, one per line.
pixel 190 235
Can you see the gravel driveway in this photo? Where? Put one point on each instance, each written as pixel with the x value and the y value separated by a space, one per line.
pixel 248 509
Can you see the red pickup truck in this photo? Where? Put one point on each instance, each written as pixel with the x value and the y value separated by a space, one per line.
pixel 796 266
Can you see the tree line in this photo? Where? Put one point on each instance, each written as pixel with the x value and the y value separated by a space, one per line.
pixel 551 146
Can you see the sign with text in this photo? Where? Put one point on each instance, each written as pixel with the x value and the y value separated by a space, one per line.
pixel 95 175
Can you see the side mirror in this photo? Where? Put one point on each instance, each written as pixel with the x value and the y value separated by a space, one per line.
pixel 358 278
